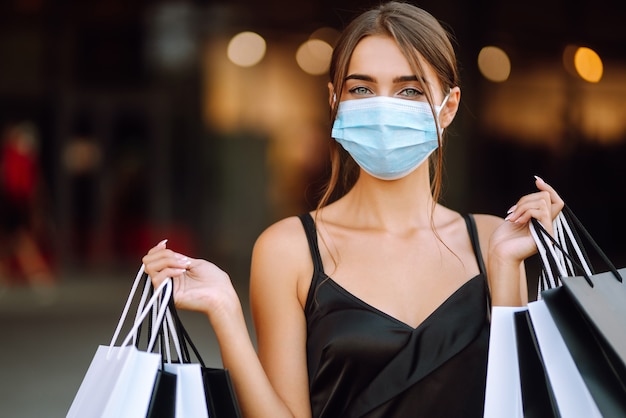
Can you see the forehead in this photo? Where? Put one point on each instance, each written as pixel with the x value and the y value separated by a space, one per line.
pixel 381 57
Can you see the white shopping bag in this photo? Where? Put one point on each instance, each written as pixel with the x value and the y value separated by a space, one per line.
pixel 570 391
pixel 190 397
pixel 190 394
pixel 110 387
pixel 120 380
pixel 503 395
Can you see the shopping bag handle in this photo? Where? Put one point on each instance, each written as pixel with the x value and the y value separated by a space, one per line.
pixel 147 289
pixel 569 217
pixel 562 261
pixel 183 336
pixel 159 299
pixel 129 300
pixel 167 326
pixel 163 293
pixel 140 306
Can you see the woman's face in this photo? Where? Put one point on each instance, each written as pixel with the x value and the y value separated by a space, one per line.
pixel 378 68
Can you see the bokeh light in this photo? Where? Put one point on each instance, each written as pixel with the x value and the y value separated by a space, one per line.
pixel 313 56
pixel 494 64
pixel 246 49
pixel 588 64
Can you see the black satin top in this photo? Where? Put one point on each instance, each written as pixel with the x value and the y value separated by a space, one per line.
pixel 365 363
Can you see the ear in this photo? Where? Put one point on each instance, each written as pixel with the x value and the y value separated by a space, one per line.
pixel 332 96
pixel 447 114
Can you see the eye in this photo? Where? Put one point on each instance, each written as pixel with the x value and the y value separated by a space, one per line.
pixel 360 90
pixel 410 92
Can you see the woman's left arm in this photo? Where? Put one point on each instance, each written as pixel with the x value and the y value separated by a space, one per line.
pixel 511 243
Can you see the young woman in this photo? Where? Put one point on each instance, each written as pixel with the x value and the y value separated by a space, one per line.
pixel 377 303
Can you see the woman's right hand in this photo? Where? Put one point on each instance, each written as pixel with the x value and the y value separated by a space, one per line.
pixel 198 284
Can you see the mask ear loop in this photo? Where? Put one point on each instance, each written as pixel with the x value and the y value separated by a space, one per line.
pixel 443 103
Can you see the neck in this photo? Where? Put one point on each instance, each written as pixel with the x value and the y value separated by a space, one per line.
pixel 398 205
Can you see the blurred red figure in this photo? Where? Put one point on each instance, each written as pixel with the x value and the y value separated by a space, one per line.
pixel 19 200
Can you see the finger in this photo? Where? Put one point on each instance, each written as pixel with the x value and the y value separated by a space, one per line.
pixel 546 192
pixel 168 272
pixel 165 254
pixel 530 200
pixel 535 205
pixel 555 200
pixel 157 261
pixel 160 273
pixel 539 213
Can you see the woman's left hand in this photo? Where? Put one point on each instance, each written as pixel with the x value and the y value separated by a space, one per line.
pixel 512 241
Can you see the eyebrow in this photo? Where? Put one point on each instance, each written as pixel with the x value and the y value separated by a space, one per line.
pixel 399 79
pixel 405 78
pixel 361 77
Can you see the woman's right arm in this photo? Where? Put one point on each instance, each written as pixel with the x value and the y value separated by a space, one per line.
pixel 201 286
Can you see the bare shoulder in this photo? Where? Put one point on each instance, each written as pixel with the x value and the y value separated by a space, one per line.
pixel 281 257
pixel 285 237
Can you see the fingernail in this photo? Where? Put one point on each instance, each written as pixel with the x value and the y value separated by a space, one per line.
pixel 162 243
pixel 539 179
pixel 511 209
pixel 183 259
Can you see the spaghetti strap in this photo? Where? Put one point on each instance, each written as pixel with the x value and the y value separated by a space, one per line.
pixel 311 235
pixel 473 233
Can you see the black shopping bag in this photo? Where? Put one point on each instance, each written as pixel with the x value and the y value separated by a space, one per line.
pixel 163 400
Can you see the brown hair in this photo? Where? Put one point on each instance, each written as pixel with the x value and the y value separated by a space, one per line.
pixel 417 33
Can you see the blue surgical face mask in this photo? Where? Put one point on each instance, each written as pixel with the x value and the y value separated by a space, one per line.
pixel 386 136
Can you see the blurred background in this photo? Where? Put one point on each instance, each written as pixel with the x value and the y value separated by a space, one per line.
pixel 125 122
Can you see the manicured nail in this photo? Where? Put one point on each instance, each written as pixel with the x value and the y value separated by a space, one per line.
pixel 539 179
pixel 183 259
pixel 511 209
pixel 162 243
